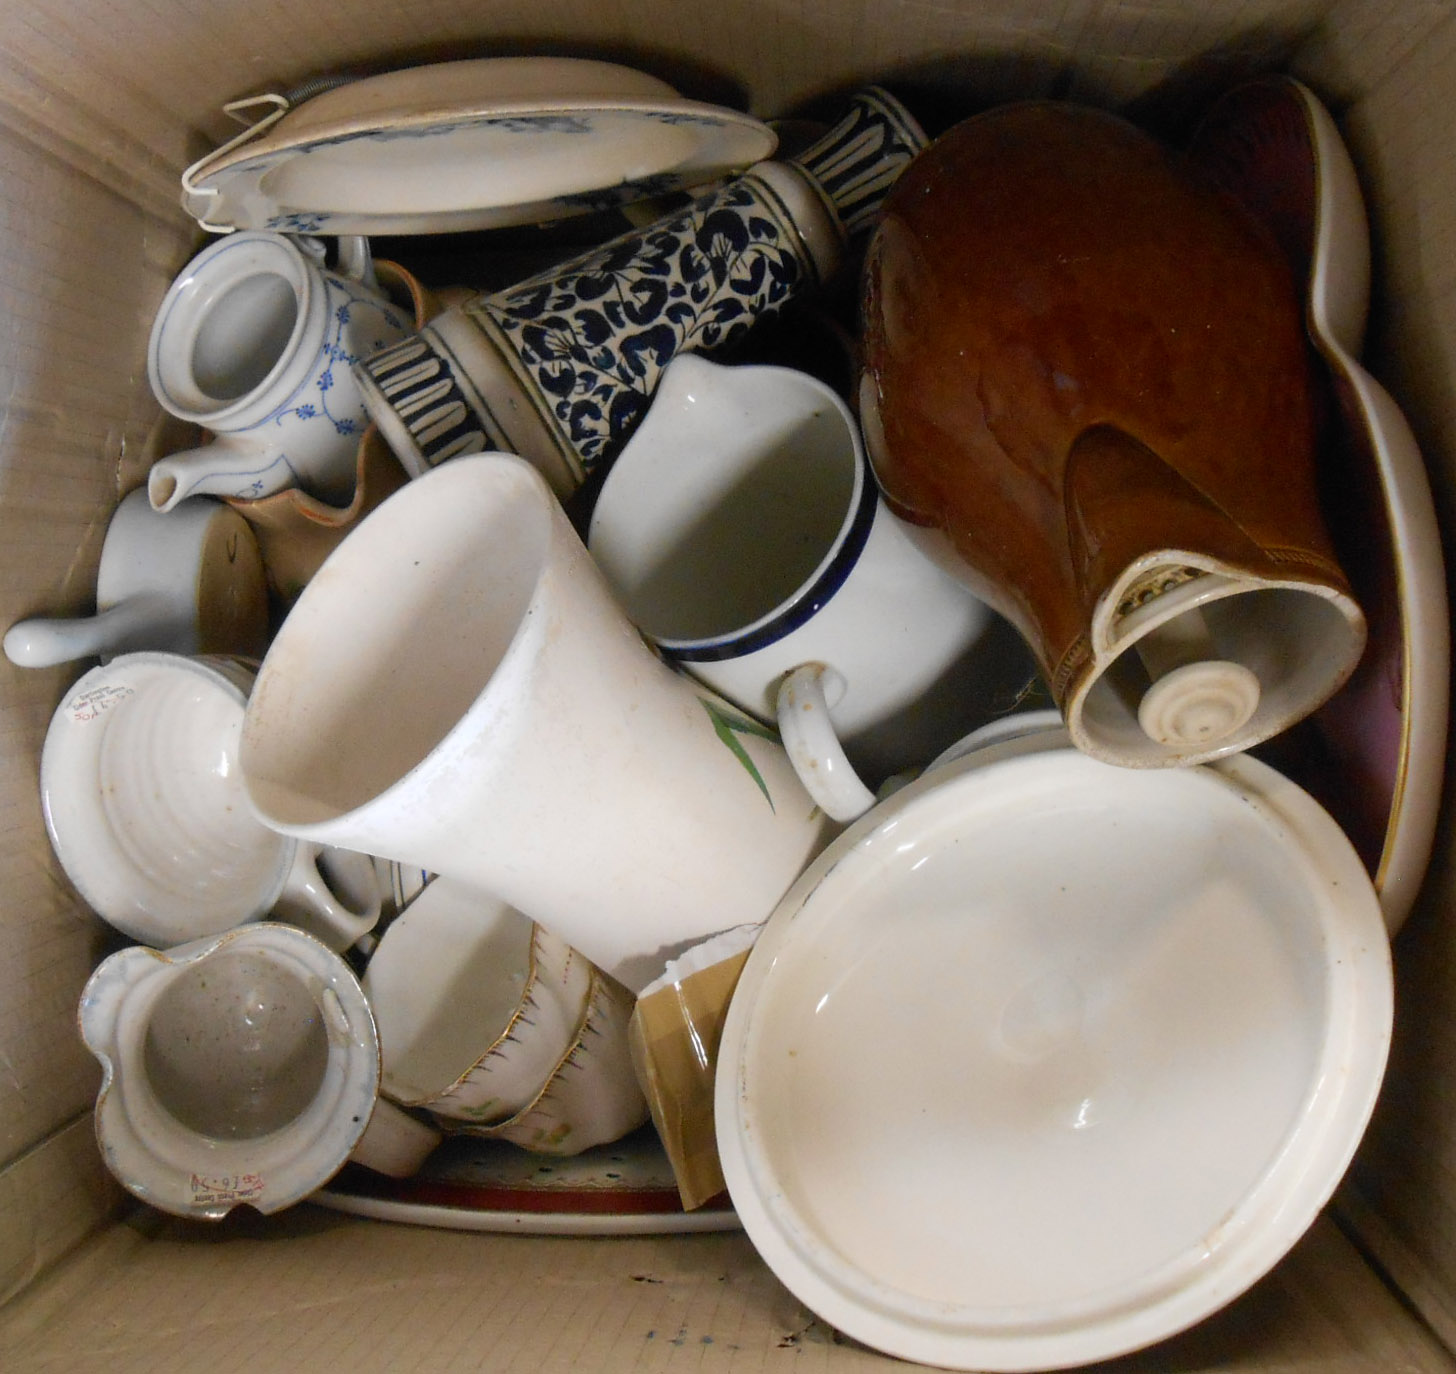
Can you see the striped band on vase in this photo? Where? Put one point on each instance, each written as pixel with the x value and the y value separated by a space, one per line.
pixel 857 162
pixel 417 383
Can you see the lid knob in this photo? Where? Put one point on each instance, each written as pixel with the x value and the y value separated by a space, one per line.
pixel 1196 698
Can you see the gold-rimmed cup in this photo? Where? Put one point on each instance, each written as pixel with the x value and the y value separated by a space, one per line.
pixel 475 1004
pixel 592 1095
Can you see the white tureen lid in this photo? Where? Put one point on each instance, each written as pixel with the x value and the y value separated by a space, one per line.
pixel 1044 1060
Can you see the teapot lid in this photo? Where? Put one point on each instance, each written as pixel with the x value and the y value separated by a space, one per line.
pixel 1044 1059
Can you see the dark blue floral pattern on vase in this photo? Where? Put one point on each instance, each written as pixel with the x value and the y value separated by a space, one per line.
pixel 585 343
pixel 595 337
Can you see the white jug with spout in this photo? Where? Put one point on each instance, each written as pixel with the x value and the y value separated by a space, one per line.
pixel 256 341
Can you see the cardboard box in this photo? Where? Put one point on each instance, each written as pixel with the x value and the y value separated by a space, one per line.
pixel 101 105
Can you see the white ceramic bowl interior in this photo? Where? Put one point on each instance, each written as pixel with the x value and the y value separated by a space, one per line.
pixel 241 1069
pixel 771 450
pixel 1044 1059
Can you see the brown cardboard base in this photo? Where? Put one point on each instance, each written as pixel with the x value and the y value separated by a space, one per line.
pixel 311 1290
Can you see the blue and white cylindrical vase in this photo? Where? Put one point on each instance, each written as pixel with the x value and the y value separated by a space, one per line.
pixel 560 368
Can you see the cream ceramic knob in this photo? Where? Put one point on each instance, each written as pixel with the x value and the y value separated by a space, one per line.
pixel 1196 699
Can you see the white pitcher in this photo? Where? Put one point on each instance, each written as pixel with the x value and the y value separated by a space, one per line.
pixel 241 1068
pixel 769 459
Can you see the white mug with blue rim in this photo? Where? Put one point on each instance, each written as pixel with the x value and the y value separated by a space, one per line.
pixel 743 532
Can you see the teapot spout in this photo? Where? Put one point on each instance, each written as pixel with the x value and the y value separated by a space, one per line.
pixel 221 468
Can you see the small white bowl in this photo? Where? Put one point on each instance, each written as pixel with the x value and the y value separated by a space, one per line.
pixel 240 1069
pixel 146 810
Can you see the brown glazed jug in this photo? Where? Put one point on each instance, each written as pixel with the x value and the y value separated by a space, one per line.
pixel 1086 377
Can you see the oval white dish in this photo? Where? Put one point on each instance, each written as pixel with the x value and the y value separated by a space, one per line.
pixel 474 144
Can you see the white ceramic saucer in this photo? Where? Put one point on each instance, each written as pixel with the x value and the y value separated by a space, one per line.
pixel 470 1184
pixel 1044 1060
pixel 468 145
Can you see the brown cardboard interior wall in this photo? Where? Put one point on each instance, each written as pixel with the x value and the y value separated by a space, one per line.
pixel 102 103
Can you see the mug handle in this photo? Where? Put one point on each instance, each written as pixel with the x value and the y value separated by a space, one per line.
pixel 814 748
pixel 356 261
pixel 332 893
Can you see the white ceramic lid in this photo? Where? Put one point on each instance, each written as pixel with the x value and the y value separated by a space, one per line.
pixel 1044 1059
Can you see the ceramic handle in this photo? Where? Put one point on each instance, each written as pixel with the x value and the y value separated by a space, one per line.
pixel 356 261
pixel 331 893
pixel 394 1142
pixel 814 748
pixel 136 623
